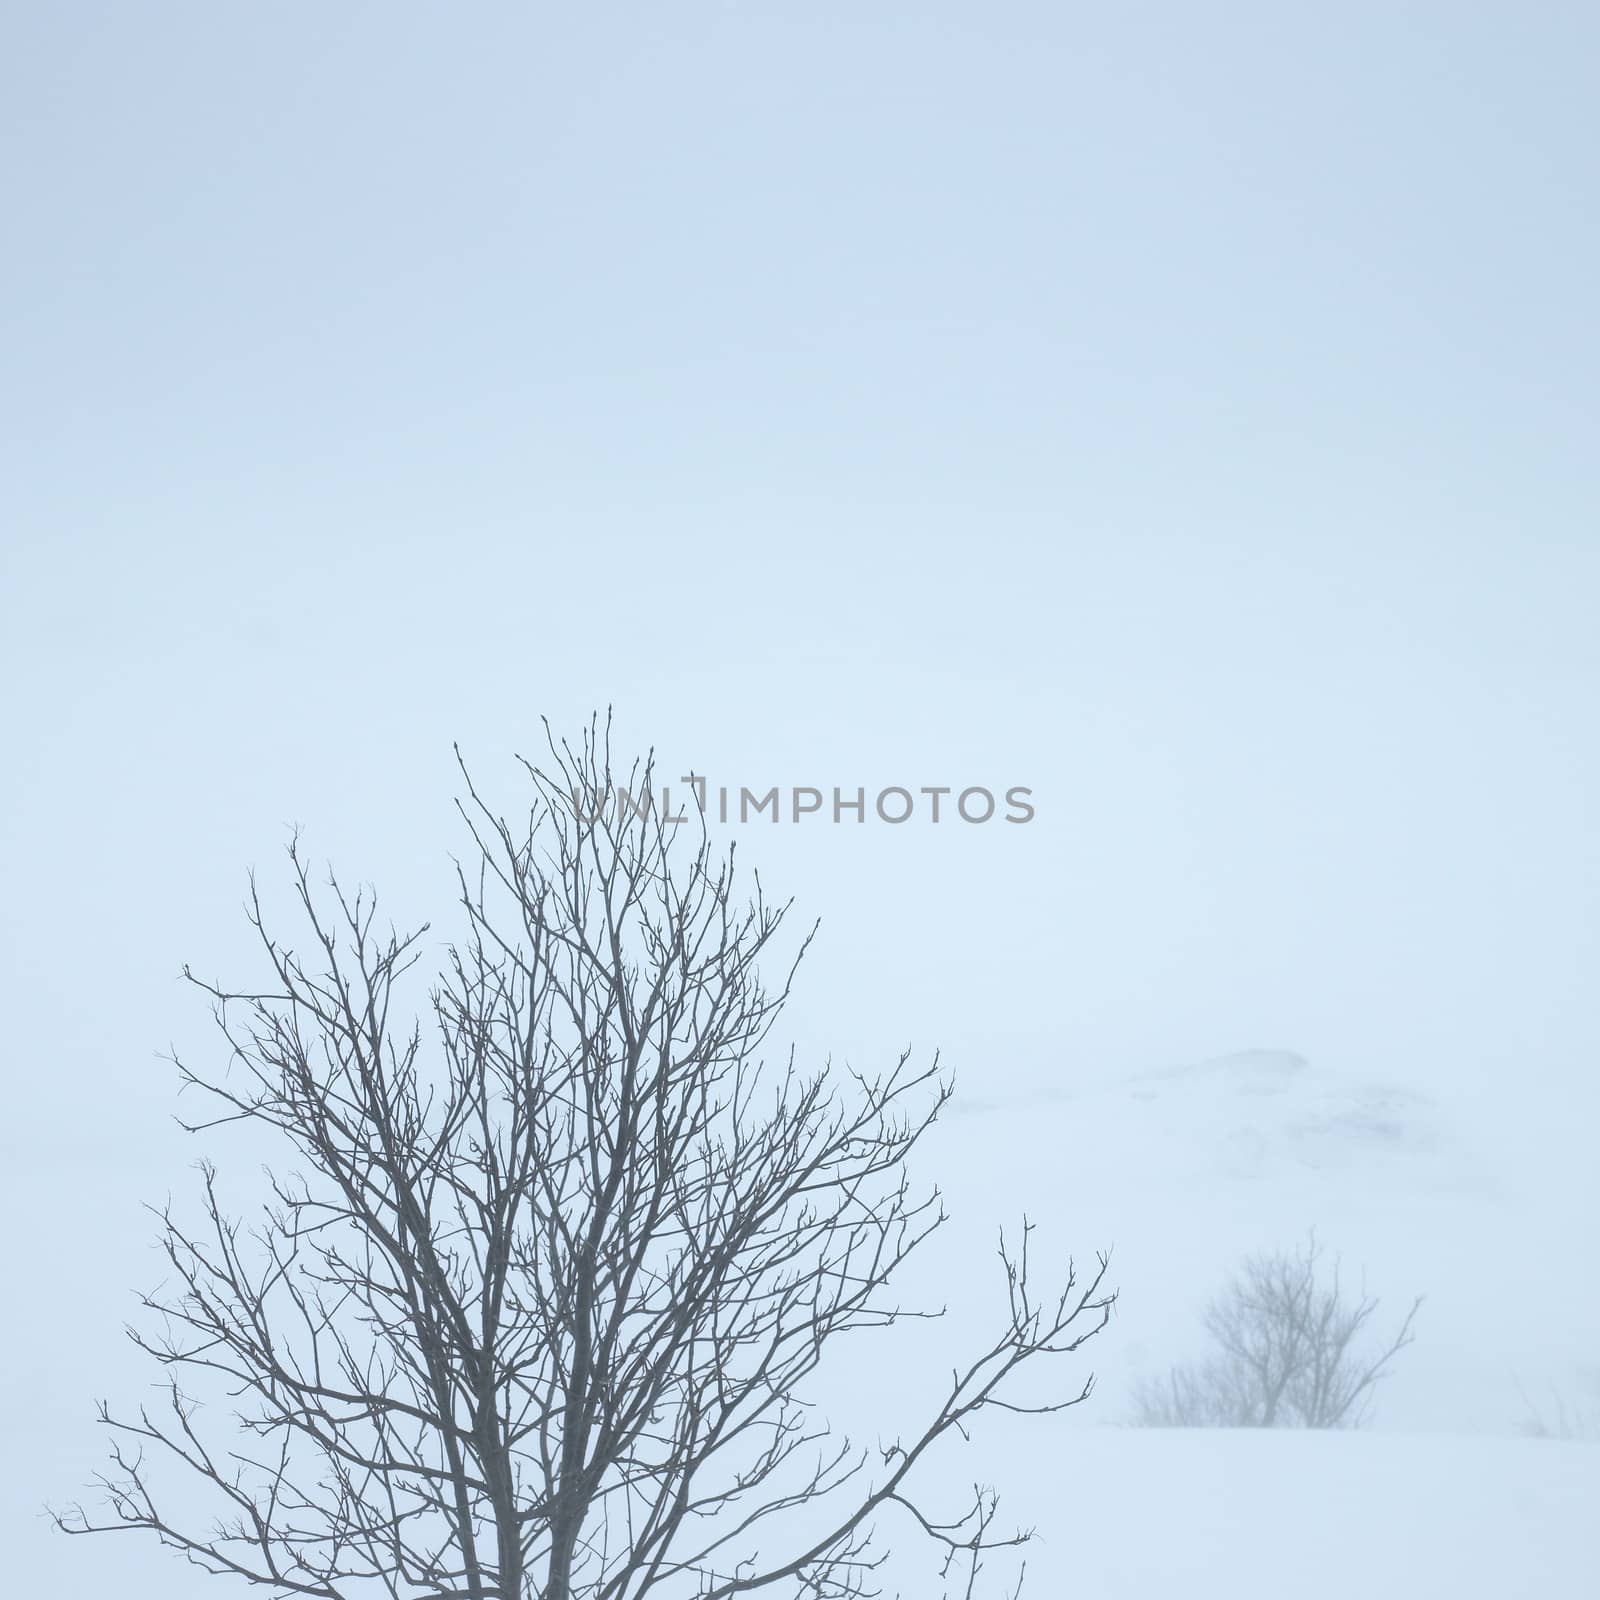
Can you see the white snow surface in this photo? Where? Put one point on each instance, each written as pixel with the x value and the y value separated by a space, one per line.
pixel 1146 1514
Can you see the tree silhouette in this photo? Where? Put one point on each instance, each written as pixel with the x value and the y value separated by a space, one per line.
pixel 532 1311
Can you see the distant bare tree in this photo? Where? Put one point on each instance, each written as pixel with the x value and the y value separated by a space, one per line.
pixel 1290 1351
pixel 534 1314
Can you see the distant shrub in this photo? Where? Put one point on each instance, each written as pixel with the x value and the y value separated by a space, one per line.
pixel 1562 1416
pixel 1291 1348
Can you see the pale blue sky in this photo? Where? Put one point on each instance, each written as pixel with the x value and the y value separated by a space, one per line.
pixel 1186 411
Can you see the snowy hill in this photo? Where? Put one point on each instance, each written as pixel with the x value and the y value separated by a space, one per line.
pixel 1183 1169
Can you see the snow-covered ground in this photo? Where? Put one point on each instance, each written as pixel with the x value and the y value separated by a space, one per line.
pixel 1137 1514
pixel 1181 1169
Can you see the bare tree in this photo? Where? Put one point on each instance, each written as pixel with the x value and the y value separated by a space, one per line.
pixel 534 1312
pixel 1290 1351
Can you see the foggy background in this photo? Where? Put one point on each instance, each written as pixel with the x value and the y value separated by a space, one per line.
pixel 1187 413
